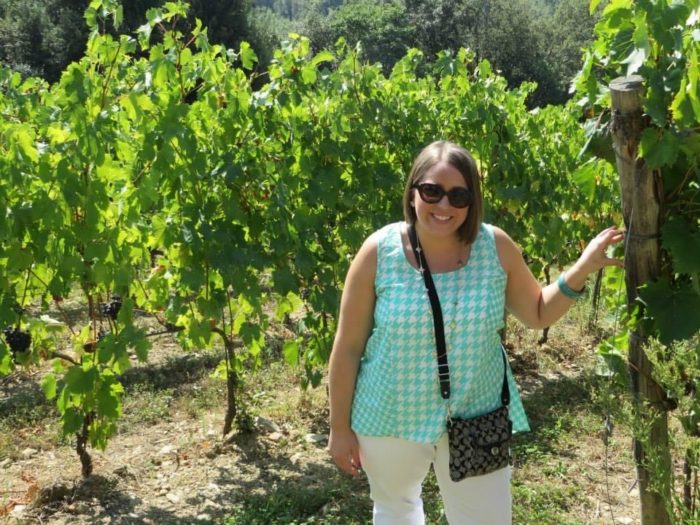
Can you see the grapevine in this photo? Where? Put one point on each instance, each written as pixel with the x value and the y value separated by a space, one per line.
pixel 127 191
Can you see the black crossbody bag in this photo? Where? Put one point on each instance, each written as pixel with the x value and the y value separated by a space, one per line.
pixel 480 444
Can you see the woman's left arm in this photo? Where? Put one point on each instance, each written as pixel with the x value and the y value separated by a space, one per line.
pixel 539 307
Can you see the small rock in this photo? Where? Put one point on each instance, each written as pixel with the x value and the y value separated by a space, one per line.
pixel 167 449
pixel 209 504
pixel 5 462
pixel 123 472
pixel 266 425
pixel 204 517
pixel 624 520
pixel 29 453
pixel 275 436
pixel 78 507
pixel 18 511
pixel 315 438
pixel 213 487
pixel 172 498
pixel 133 515
pixel 296 458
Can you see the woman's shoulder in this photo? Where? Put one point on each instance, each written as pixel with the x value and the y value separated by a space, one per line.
pixel 506 248
pixel 387 229
pixel 492 230
pixel 384 234
pixel 371 244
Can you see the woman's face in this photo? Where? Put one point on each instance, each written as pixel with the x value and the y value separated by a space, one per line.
pixel 441 218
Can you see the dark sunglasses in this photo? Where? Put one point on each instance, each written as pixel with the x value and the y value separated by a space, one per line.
pixel 458 197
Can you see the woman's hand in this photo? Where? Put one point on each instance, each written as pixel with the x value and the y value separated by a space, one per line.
pixel 539 307
pixel 345 451
pixel 595 257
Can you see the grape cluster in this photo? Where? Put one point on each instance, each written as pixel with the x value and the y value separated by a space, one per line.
pixel 111 309
pixel 18 340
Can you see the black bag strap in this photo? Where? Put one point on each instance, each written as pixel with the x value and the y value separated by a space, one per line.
pixel 443 367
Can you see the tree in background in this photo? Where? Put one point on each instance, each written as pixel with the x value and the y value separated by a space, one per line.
pixel 570 30
pixel 383 29
pixel 226 20
pixel 267 31
pixel 41 37
pixel 520 38
pixel 526 40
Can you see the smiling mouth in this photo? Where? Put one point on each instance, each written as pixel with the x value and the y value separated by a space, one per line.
pixel 442 218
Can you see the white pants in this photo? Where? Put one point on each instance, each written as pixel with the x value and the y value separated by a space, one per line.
pixel 396 469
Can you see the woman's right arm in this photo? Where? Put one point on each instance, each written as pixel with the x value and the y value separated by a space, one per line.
pixel 354 326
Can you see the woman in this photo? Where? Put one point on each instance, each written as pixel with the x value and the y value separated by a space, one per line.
pixel 387 416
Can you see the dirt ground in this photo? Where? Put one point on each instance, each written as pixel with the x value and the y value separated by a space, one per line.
pixel 177 469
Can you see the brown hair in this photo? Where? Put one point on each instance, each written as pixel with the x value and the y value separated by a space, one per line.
pixel 460 159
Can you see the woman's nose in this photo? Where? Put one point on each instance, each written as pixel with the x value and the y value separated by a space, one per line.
pixel 444 202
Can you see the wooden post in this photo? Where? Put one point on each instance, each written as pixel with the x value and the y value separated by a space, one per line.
pixel 641 201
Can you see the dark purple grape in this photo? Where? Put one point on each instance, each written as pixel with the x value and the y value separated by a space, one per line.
pixel 19 341
pixel 111 309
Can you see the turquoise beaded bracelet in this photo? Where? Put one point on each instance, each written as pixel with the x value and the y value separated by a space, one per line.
pixel 566 290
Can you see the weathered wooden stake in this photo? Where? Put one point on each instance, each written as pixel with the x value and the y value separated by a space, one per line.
pixel 641 202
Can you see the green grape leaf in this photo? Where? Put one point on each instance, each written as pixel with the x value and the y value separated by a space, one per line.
pixel 683 245
pixel 584 177
pixel 291 352
pixel 674 310
pixel 612 360
pixel 109 397
pixel 593 6
pixel 323 56
pixel 284 280
pixel 48 385
pixel 659 148
pixel 72 420
pixel 287 305
pixel 80 381
pixel 25 143
pixel 5 359
pixel 247 56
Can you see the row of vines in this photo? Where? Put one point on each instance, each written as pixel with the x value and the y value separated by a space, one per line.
pixel 163 176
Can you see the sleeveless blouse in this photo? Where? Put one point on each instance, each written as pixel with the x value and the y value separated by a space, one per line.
pixel 397 392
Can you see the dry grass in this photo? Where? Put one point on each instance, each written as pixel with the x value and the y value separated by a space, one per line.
pixel 169 464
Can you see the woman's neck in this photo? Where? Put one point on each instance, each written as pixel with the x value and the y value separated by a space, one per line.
pixel 438 245
pixel 443 254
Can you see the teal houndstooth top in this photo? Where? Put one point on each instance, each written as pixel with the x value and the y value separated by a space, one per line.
pixel 398 392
